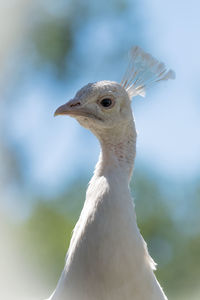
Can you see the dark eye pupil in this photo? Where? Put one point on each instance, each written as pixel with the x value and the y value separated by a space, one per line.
pixel 106 102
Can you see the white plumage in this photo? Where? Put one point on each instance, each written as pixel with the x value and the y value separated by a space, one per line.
pixel 107 258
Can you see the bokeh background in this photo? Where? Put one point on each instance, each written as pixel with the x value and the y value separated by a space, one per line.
pixel 49 49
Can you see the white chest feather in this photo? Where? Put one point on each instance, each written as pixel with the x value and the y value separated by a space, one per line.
pixel 107 258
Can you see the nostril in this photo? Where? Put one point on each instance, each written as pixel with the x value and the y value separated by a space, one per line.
pixel 75 104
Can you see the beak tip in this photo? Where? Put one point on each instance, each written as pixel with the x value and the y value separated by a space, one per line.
pixel 61 110
pixel 58 111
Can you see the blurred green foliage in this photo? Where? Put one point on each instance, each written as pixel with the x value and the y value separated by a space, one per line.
pixel 52 41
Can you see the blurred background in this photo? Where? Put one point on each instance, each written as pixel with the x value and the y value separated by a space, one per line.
pixel 50 49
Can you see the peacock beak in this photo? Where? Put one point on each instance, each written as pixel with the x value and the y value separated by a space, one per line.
pixel 74 108
pixel 69 108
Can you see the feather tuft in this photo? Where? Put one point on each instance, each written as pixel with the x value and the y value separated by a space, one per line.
pixel 142 71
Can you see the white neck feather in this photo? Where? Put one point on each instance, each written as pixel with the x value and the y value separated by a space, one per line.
pixel 118 150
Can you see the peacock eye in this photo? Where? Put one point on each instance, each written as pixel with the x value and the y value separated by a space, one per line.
pixel 106 102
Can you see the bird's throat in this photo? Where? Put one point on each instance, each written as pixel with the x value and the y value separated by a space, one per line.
pixel 118 149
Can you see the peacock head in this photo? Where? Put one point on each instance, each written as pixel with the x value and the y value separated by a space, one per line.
pixel 103 104
pixel 106 104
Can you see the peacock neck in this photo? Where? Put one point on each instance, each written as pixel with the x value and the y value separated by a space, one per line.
pixel 118 150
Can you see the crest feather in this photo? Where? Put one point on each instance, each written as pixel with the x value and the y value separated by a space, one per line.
pixel 142 71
